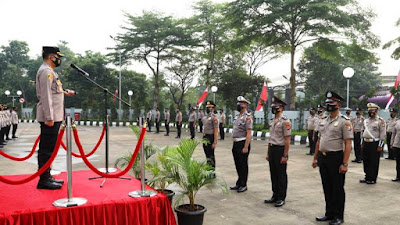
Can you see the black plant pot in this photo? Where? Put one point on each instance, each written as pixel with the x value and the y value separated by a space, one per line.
pixel 169 193
pixel 186 217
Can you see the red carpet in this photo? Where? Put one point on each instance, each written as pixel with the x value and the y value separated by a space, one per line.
pixel 26 205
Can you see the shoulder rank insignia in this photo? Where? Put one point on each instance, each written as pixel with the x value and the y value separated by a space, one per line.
pixel 345 117
pixel 288 125
pixel 284 117
pixel 50 76
pixel 348 125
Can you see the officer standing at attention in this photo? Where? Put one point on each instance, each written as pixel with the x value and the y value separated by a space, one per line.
pixel 8 119
pixel 50 112
pixel 200 118
pixel 222 121
pixel 166 119
pixel 390 124
pixel 210 133
pixel 242 127
pixel 395 147
pixel 310 126
pixel 192 123
pixel 278 150
pixel 321 115
pixel 178 122
pixel 2 125
pixel 149 119
pixel 14 121
pixel 157 120
pixel 358 125
pixel 348 114
pixel 335 132
pixel 373 140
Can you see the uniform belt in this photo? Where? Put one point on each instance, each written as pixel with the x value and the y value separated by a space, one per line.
pixel 273 145
pixel 370 140
pixel 389 132
pixel 239 139
pixel 326 153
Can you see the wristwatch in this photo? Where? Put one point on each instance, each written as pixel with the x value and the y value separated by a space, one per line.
pixel 285 156
pixel 345 164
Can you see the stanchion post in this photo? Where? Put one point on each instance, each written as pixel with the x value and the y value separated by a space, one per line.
pixel 70 201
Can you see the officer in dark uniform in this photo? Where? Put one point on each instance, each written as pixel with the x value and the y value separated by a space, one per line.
pixel 50 111
pixel 210 133
pixel 335 132
pixel 278 150
pixel 242 126
pixel 391 122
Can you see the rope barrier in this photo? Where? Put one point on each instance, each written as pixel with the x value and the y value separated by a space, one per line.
pixel 93 150
pixel 113 175
pixel 23 158
pixel 44 168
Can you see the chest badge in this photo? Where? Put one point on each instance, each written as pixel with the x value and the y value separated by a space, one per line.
pixel 278 123
pixel 336 123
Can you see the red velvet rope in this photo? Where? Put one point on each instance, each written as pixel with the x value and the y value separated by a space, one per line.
pixel 23 158
pixel 45 167
pixel 113 175
pixel 95 147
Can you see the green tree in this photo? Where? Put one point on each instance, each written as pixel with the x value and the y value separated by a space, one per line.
pixel 289 24
pixel 396 52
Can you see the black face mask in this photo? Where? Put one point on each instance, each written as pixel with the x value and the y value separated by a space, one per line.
pixel 275 110
pixel 393 115
pixel 208 110
pixel 357 113
pixel 319 111
pixel 57 62
pixel 330 108
pixel 371 114
pixel 239 108
pixel 348 113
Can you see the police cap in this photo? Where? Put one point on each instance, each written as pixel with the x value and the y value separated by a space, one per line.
pixel 372 106
pixel 393 110
pixel 51 49
pixel 332 96
pixel 321 106
pixel 241 99
pixel 210 104
pixel 277 102
pixel 347 109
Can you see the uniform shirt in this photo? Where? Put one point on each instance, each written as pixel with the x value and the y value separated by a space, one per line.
pixel 149 115
pixel 241 124
pixel 279 129
pixel 376 126
pixel 50 94
pixel 166 117
pixel 192 117
pixel 2 120
pixel 201 114
pixel 358 124
pixel 210 122
pixel 333 132
pixel 8 117
pixel 310 123
pixel 317 121
pixel 395 141
pixel 222 118
pixel 178 117
pixel 14 117
pixel 157 118
pixel 391 122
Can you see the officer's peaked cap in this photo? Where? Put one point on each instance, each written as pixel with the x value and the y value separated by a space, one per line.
pixel 277 102
pixel 51 49
pixel 210 103
pixel 241 99
pixel 332 96
pixel 372 106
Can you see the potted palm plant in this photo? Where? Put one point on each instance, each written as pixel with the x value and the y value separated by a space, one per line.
pixel 191 175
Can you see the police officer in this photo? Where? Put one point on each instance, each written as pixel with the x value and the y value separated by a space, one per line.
pixel 242 127
pixel 391 122
pixel 7 113
pixel 157 120
pixel 373 139
pixel 200 118
pixel 210 133
pixel 278 152
pixel 222 121
pixel 192 123
pixel 149 118
pixel 178 122
pixel 2 126
pixel 348 114
pixel 335 132
pixel 166 119
pixel 50 111
pixel 14 121
pixel 321 115
pixel 310 127
pixel 395 147
pixel 358 125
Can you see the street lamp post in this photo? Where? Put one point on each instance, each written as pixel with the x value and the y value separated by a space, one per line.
pixel 214 89
pixel 119 83
pixel 19 93
pixel 348 73
pixel 130 93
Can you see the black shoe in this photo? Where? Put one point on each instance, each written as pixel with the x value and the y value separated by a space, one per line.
pixel 279 203
pixel 359 161
pixel 3 143
pixel 363 181
pixel 309 154
pixel 58 181
pixel 370 182
pixel 236 187
pixel 8 139
pixel 48 184
pixel 242 189
pixel 166 134
pixel 15 137
pixel 336 222
pixel 396 179
pixel 271 200
pixel 356 160
pixel 323 218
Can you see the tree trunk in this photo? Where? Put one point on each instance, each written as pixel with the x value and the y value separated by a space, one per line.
pixel 292 79
pixel 156 83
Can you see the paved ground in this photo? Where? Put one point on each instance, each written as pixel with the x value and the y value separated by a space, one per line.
pixel 365 204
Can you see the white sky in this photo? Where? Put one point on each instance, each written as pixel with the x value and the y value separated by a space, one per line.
pixel 88 24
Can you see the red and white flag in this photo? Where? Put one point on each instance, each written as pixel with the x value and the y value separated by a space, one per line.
pixel 202 98
pixel 115 95
pixel 263 97
pixel 391 96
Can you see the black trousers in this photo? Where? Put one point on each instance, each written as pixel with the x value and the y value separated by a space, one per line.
pixel 357 146
pixel 179 129
pixel 208 150
pixel 391 154
pixel 7 134
pixel 241 162
pixel 221 131
pixel 311 141
pixel 2 130
pixel 332 183
pixel 158 126
pixel 201 126
pixel 278 172
pixel 15 126
pixel 397 154
pixel 167 126
pixel 192 129
pixel 48 139
pixel 371 160
pixel 149 124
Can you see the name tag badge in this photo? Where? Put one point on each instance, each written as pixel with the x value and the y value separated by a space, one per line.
pixel 376 122
pixel 336 123
pixel 278 123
